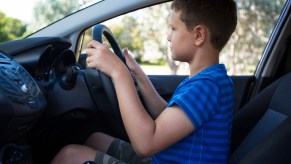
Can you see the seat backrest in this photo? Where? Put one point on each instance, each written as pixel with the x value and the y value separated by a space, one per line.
pixel 261 127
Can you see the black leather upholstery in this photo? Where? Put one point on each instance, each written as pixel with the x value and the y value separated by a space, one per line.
pixel 262 128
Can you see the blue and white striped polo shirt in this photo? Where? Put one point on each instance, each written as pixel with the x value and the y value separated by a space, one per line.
pixel 207 99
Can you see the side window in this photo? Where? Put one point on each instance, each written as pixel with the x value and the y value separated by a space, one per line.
pixel 256 20
pixel 145 31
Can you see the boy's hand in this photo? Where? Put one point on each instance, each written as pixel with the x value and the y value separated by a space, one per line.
pixel 133 66
pixel 100 57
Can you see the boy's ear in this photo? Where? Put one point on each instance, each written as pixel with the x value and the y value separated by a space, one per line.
pixel 199 33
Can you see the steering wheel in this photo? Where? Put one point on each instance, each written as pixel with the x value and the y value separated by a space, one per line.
pixel 109 103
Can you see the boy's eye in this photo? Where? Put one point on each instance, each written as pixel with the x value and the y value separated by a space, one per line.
pixel 172 28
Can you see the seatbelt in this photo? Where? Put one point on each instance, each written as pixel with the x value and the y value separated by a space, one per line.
pixel 288 54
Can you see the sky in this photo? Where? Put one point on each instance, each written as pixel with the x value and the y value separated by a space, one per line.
pixel 20 9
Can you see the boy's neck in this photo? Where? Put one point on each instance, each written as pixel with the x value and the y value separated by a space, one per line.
pixel 202 60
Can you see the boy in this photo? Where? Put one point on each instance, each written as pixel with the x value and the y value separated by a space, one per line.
pixel 195 126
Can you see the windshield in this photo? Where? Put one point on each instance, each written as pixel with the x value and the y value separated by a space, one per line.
pixel 19 18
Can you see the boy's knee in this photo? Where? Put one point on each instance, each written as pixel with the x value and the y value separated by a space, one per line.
pixel 99 141
pixel 68 154
pixel 97 136
pixel 70 150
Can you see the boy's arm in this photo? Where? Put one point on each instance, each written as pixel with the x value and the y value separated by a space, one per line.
pixel 155 104
pixel 147 136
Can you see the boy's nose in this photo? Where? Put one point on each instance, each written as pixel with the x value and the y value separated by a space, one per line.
pixel 169 37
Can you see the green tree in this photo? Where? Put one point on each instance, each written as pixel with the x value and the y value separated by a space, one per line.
pixel 46 12
pixel 10 28
pixel 256 20
pixel 128 34
pixel 154 23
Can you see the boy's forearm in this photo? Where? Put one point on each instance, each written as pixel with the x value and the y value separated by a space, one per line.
pixel 148 136
pixel 139 125
pixel 154 102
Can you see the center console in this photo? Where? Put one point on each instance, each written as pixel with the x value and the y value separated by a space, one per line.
pixel 21 100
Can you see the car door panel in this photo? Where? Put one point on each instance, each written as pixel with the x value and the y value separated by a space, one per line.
pixel 243 86
pixel 167 84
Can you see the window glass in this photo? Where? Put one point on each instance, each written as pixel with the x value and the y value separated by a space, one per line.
pixel 19 19
pixel 145 31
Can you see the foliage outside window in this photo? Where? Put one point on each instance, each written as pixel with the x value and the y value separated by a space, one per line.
pixel 10 28
pixel 256 20
pixel 44 13
pixel 144 32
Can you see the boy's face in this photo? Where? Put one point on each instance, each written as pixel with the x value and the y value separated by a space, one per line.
pixel 182 41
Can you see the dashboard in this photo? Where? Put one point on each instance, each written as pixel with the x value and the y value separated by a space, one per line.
pixel 20 97
pixel 29 71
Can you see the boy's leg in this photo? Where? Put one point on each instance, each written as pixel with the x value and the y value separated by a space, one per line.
pixel 74 154
pixel 113 147
pixel 118 152
pixel 125 152
pixel 102 158
pixel 79 154
pixel 99 141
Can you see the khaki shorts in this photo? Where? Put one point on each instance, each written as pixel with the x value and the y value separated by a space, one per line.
pixel 120 152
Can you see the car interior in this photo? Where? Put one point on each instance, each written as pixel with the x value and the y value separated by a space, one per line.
pixel 49 99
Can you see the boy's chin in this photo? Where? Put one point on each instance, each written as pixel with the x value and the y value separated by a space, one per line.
pixel 175 57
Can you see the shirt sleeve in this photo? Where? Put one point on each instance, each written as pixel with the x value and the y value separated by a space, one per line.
pixel 198 99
